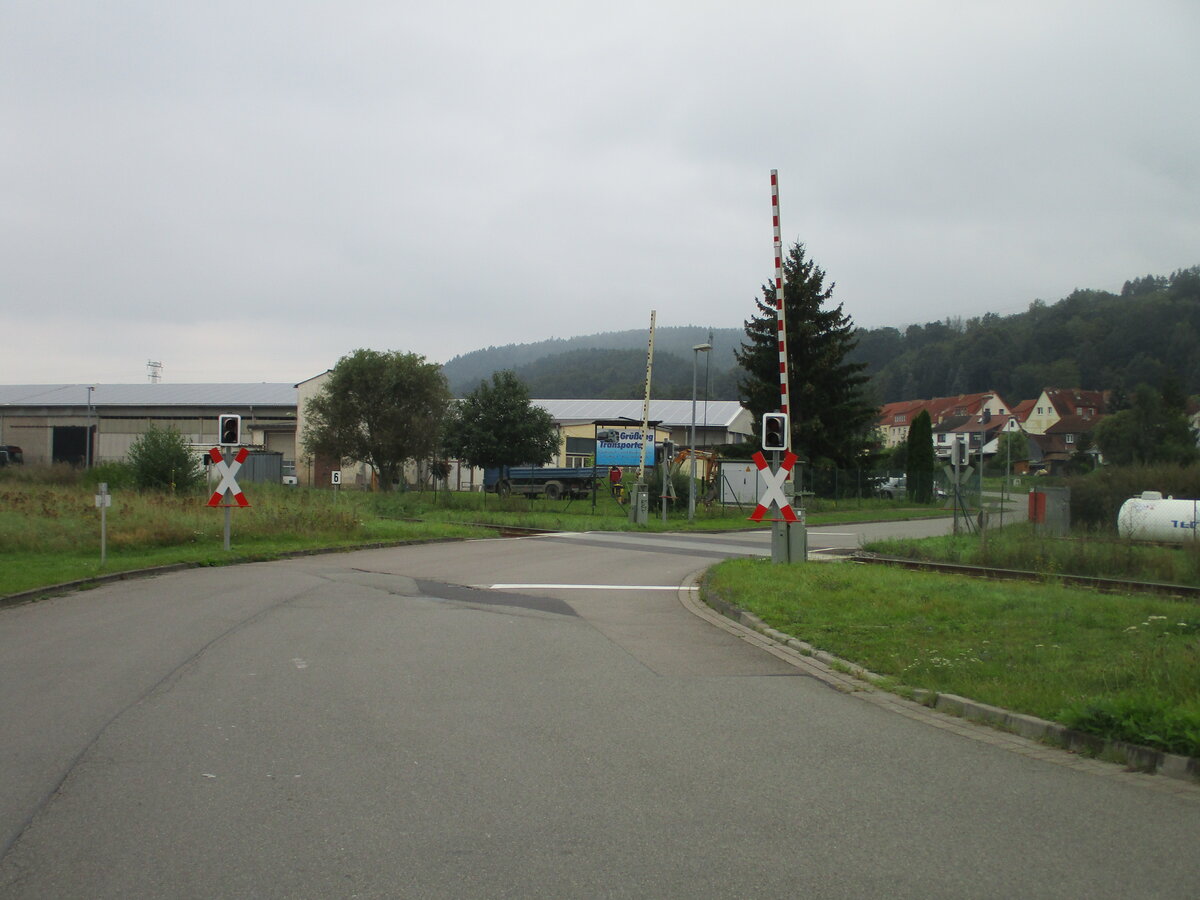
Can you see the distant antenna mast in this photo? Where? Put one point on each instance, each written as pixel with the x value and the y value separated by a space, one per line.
pixel 646 401
pixel 154 371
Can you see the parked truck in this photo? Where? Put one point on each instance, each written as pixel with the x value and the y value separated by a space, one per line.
pixel 554 483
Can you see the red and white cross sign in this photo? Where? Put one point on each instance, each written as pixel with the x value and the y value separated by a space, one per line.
pixel 773 492
pixel 227 471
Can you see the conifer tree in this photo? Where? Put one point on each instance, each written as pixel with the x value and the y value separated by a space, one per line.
pixel 830 417
pixel 921 460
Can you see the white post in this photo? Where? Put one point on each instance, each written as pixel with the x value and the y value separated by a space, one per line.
pixel 696 351
pixel 102 500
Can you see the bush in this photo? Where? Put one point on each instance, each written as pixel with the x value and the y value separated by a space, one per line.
pixel 1096 498
pixel 162 460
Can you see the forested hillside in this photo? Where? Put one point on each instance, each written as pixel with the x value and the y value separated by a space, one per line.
pixel 610 365
pixel 1091 339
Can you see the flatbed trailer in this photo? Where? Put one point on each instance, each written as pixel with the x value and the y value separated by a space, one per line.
pixel 553 483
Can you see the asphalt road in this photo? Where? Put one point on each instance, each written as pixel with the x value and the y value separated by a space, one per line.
pixel 539 717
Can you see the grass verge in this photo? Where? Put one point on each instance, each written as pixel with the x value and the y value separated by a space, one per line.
pixel 1091 554
pixel 50 527
pixel 1117 666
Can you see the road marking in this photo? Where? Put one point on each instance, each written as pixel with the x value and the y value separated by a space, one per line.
pixel 587 587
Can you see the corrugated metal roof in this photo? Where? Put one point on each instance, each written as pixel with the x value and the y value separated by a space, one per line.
pixel 672 413
pixel 253 394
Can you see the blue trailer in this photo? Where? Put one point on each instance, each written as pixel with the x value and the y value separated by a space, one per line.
pixel 554 483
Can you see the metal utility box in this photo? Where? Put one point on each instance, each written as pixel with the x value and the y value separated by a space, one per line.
pixel 1050 510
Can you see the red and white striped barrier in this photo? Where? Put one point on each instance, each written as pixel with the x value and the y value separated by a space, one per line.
pixel 779 311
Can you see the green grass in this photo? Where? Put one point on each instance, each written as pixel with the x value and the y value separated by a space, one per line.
pixel 50 527
pixel 1121 666
pixel 608 515
pixel 1089 554
pixel 50 533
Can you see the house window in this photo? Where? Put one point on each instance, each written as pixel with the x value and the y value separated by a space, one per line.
pixel 1039 411
pixel 941 438
pixel 1070 438
pixel 1001 412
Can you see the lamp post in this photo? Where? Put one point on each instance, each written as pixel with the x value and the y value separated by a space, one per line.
pixel 696 351
pixel 87 458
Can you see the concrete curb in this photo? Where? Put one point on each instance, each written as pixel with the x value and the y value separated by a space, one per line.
pixel 849 677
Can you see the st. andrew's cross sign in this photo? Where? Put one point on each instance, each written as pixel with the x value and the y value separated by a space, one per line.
pixel 228 472
pixel 773 487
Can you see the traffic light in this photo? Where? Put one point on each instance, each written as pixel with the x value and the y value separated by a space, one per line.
pixel 775 431
pixel 229 430
pixel 958 450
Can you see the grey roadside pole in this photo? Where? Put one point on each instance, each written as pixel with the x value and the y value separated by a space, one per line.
pixel 87 459
pixel 103 502
pixel 696 351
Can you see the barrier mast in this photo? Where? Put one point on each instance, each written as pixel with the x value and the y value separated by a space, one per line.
pixel 646 400
pixel 780 317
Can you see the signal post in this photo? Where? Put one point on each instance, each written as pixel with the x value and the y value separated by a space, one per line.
pixel 789 537
pixel 228 492
pixel 789 540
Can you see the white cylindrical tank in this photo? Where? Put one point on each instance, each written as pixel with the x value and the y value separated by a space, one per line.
pixel 1151 518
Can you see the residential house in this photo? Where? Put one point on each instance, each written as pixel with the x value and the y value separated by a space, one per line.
pixel 1054 404
pixel 895 420
pixel 1052 450
pixel 983 415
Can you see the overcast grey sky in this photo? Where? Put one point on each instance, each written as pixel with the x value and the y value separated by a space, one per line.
pixel 248 190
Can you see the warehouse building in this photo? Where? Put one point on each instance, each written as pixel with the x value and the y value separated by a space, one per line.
pixel 81 423
pixel 93 423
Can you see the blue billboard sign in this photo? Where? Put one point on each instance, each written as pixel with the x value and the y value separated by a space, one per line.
pixel 623 448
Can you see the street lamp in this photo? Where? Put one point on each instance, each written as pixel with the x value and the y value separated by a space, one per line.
pixel 87 459
pixel 696 351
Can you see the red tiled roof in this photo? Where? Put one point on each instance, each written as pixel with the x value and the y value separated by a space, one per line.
pixel 1067 400
pixel 1022 410
pixel 1074 424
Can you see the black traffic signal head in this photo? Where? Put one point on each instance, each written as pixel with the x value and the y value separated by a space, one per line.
pixel 775 431
pixel 229 430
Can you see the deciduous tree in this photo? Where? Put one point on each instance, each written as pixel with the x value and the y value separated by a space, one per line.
pixel 378 407
pixel 1150 431
pixel 496 425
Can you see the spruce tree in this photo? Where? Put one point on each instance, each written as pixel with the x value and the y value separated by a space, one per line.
pixel 831 419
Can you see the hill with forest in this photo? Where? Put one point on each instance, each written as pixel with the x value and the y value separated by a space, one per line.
pixel 1095 340
pixel 610 365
